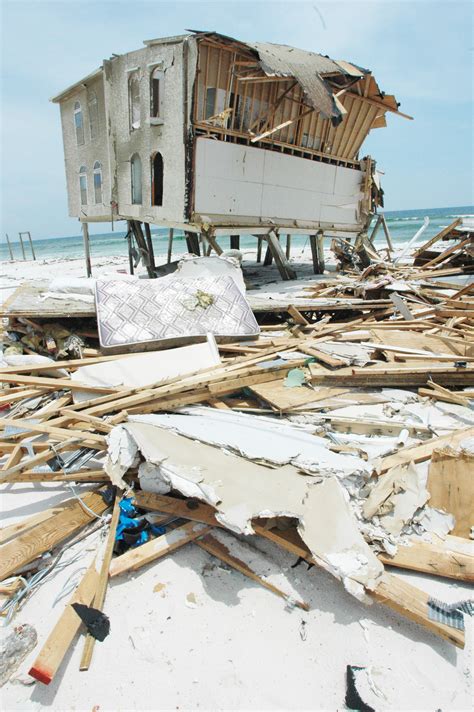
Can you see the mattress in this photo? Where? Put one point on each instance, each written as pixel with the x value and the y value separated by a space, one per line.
pixel 149 314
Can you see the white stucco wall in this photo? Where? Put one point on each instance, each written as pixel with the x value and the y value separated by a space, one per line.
pixel 87 154
pixel 167 138
pixel 239 183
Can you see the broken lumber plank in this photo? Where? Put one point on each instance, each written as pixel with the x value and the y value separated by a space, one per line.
pixel 83 476
pixel 59 640
pixel 55 383
pixel 451 487
pixel 450 558
pixel 101 591
pixel 133 559
pixel 55 365
pixel 451 250
pixel 190 508
pixel 210 544
pixel 47 534
pixel 437 237
pixel 60 433
pixel 8 398
pixel 18 528
pixel 297 316
pixel 420 453
pixel 392 375
pixel 405 599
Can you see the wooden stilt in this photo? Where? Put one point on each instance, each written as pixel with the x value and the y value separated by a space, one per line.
pixel 22 245
pixel 376 229
pixel 149 243
pixel 192 242
pixel 213 243
pixel 87 252
pixel 259 249
pixel 284 267
pixel 130 247
pixel 31 245
pixel 268 259
pixel 235 242
pixel 317 252
pixel 170 244
pixel 142 246
pixel 9 248
pixel 288 246
pixel 388 237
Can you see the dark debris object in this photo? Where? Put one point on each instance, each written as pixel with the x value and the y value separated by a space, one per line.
pixel 96 622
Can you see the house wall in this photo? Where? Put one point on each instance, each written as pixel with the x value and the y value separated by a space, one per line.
pixel 237 184
pixel 87 154
pixel 167 138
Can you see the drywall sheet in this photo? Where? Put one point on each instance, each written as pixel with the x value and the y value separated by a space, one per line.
pixel 148 368
pixel 261 439
pixel 170 312
pixel 244 181
pixel 242 490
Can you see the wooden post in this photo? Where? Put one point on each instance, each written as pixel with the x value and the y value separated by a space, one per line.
pixel 31 245
pixel 87 252
pixel 235 242
pixel 9 248
pixel 268 259
pixel 170 244
pixel 388 237
pixel 129 244
pixel 149 243
pixel 284 267
pixel 317 252
pixel 376 229
pixel 259 248
pixel 142 246
pixel 211 238
pixel 288 246
pixel 192 241
pixel 22 245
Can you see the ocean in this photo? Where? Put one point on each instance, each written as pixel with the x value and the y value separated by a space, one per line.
pixel 403 224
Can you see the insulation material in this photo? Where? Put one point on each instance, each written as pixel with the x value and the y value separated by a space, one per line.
pixel 396 497
pixel 145 314
pixel 258 438
pixel 242 490
pixel 147 368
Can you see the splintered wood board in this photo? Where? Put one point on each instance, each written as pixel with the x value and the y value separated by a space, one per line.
pixel 25 301
pixel 28 546
pixel 283 398
pixel 415 340
pixel 451 486
pixel 420 453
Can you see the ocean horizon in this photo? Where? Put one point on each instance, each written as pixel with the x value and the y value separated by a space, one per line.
pixel 402 224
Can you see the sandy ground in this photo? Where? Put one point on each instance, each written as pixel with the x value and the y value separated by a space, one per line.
pixel 238 647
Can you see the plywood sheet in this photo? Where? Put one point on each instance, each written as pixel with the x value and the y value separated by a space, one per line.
pixel 451 486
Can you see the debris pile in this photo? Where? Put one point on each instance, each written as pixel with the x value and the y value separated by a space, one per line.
pixel 340 428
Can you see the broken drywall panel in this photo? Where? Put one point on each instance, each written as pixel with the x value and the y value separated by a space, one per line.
pixel 241 490
pixel 335 538
pixel 395 498
pixel 351 353
pixel 260 564
pixel 259 438
pixel 147 368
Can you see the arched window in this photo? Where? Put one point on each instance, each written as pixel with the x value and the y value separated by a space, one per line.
pixel 83 184
pixel 97 183
pixel 134 100
pixel 136 175
pixel 157 85
pixel 78 124
pixel 93 107
pixel 157 179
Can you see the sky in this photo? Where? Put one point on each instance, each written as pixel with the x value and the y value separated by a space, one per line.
pixel 420 50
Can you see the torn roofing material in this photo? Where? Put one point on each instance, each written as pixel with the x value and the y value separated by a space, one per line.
pixel 308 68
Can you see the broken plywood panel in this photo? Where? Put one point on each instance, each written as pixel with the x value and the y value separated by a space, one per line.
pixel 451 486
pixel 283 398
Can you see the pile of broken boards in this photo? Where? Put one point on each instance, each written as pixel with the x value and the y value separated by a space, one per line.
pixel 347 441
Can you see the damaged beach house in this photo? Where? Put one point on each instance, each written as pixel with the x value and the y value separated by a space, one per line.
pixel 213 136
pixel 327 420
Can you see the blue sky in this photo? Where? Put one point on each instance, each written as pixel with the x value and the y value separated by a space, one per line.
pixel 420 50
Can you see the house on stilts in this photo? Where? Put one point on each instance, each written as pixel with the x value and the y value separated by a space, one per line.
pixel 215 136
